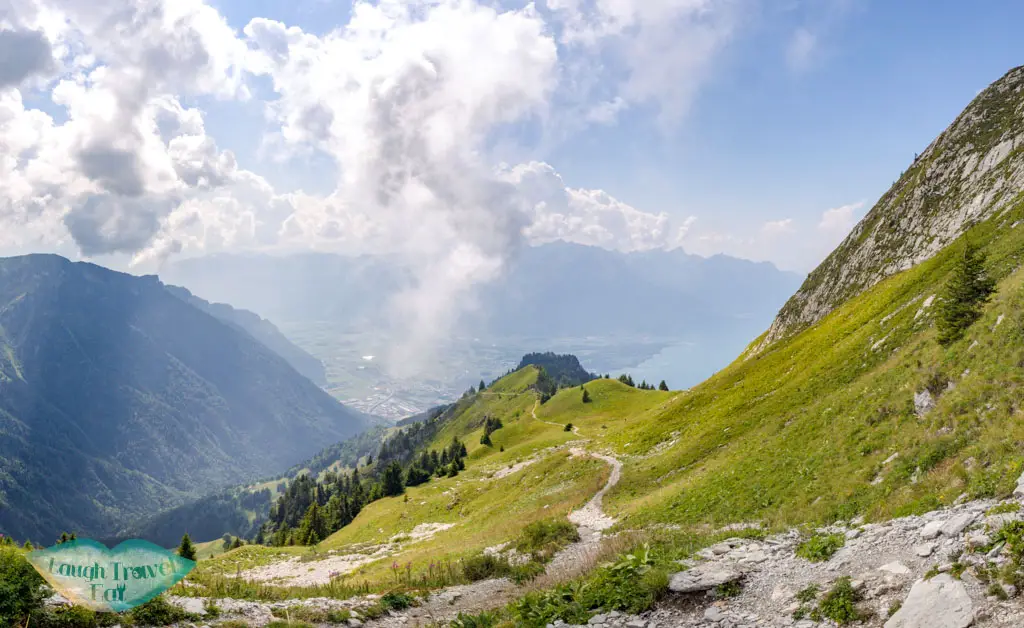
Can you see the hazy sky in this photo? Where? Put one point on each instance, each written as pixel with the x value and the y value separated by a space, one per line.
pixel 452 131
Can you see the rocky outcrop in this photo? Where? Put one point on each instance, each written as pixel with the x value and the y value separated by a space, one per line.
pixel 972 171
pixel 941 602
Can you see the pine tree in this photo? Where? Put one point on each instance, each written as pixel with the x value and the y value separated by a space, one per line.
pixel 482 386
pixel 186 549
pixel 453 470
pixel 586 396
pixel 486 439
pixel 393 482
pixel 663 386
pixel 964 295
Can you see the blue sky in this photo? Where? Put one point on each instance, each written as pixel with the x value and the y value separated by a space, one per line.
pixel 737 126
pixel 770 135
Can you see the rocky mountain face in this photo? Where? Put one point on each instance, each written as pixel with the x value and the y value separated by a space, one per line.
pixel 119 400
pixel 973 170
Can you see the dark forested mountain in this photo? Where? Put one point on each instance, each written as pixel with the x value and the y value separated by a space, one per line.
pixel 119 399
pixel 262 330
pixel 564 370
pixel 555 289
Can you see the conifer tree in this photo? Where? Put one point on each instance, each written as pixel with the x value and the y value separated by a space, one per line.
pixel 586 396
pixel 663 386
pixel 187 549
pixel 482 386
pixel 393 482
pixel 486 439
pixel 964 295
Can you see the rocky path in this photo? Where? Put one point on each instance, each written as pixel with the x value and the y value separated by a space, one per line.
pixel 886 562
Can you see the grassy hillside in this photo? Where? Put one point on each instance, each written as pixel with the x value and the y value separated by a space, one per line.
pixel 801 432
pixel 821 426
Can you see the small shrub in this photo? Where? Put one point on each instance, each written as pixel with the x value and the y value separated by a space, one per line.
pixel 526 572
pixel 568 427
pixel 544 538
pixel 158 612
pixel 895 607
pixel 820 547
pixel 284 623
pixel 728 589
pixel 1005 507
pixel 931 573
pixel 233 623
pixel 485 567
pixel 396 601
pixel 839 604
pixel 808 594
pixel 212 610
pixel 996 590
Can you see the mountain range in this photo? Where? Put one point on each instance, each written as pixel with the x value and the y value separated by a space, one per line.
pixel 119 398
pixel 557 289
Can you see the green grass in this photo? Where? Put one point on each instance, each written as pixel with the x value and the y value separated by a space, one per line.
pixel 820 547
pixel 800 433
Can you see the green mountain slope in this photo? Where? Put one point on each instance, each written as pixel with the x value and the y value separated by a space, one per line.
pixel 118 400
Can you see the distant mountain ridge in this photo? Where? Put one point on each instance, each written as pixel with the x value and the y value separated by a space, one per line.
pixel 119 399
pixel 555 289
pixel 262 330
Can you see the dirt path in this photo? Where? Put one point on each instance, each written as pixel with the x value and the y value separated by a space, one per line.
pixel 445 604
pixel 590 521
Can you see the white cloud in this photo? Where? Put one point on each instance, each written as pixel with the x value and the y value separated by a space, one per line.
pixel 407 99
pixel 777 227
pixel 591 217
pixel 839 220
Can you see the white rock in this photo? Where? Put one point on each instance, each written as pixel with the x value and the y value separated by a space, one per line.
pixel 781 593
pixel 702 578
pixel 1019 491
pixel 923 402
pixel 896 568
pixel 931 530
pixel 924 550
pixel 979 540
pixel 957 524
pixel 941 602
pixel 712 613
pixel 852 534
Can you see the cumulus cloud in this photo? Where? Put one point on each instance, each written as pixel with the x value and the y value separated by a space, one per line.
pixel 839 220
pixel 591 217
pixel 22 54
pixel 407 99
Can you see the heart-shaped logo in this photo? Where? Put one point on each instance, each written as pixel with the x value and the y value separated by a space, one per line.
pixel 90 575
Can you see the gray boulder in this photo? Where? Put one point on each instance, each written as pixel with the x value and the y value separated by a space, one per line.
pixel 702 578
pixel 941 602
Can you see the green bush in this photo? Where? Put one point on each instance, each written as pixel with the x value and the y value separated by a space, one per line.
pixel 839 604
pixel 544 538
pixel 820 547
pixel 485 567
pixel 282 623
pixel 312 614
pixel 631 585
pixel 21 588
pixel 158 612
pixel 396 601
